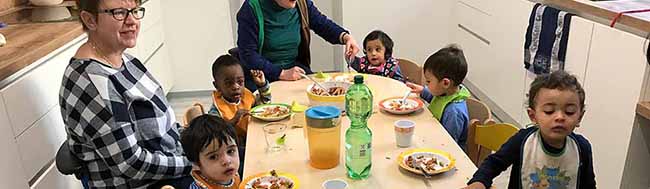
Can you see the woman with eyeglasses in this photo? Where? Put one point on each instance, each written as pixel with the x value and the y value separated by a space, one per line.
pixel 117 118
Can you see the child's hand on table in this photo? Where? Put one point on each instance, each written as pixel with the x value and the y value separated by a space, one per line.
pixel 258 78
pixel 415 88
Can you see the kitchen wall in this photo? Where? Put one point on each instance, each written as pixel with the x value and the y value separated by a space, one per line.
pixel 202 31
pixel 325 56
pixel 196 34
pixel 418 27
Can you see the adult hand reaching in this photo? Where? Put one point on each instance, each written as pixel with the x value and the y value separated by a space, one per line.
pixel 351 47
pixel 291 74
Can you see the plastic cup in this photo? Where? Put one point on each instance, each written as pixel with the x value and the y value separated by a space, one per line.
pixel 335 184
pixel 275 136
pixel 404 130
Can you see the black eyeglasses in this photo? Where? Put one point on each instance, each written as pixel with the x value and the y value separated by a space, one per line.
pixel 121 13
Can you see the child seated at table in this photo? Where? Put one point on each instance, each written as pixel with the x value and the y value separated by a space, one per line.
pixel 210 143
pixel 444 71
pixel 232 101
pixel 379 60
pixel 549 154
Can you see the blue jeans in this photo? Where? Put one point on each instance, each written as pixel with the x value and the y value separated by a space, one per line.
pixel 84 181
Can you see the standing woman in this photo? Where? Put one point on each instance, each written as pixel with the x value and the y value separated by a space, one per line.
pixel 274 36
pixel 117 118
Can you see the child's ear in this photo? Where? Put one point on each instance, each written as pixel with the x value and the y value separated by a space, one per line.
pixel 214 83
pixel 446 82
pixel 89 19
pixel 580 118
pixel 531 115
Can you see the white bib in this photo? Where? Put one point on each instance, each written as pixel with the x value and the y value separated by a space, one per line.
pixel 542 169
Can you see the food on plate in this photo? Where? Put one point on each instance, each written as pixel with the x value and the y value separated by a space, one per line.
pixel 272 182
pixel 396 105
pixel 273 111
pixel 333 91
pixel 431 163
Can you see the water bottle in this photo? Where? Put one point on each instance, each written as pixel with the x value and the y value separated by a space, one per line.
pixel 358 138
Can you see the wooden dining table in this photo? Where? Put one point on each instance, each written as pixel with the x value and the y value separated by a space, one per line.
pixel 385 171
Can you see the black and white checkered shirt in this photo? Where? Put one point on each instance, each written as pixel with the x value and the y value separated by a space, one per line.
pixel 119 123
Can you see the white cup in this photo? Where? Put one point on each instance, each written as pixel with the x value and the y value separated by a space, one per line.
pixel 404 132
pixel 335 184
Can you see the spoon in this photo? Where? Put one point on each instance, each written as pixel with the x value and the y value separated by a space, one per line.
pixel 316 82
pixel 420 166
pixel 403 101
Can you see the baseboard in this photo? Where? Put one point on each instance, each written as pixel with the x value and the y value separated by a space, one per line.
pixel 496 110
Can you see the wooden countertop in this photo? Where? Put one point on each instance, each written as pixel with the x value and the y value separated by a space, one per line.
pixel 583 7
pixel 643 109
pixel 26 43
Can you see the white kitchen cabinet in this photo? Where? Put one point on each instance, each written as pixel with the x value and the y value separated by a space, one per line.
pixel 31 96
pixel 472 36
pixel 493 46
pixel 511 21
pixel 613 84
pixel 38 145
pixel 52 179
pixel 487 7
pixel 475 21
pixel 33 115
pixel 11 174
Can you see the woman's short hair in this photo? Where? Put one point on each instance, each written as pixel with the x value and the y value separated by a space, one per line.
pixel 92 6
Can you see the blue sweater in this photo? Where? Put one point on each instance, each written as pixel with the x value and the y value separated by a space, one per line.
pixel 511 153
pixel 455 118
pixel 247 40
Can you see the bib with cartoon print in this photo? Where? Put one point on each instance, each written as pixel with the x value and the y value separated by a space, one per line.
pixel 543 169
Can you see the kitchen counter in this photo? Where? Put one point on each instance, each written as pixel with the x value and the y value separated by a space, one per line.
pixel 643 109
pixel 589 9
pixel 27 43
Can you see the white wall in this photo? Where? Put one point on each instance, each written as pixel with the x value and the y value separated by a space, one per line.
pixel 325 56
pixel 418 27
pixel 196 34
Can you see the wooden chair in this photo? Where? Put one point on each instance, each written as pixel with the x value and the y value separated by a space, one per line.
pixel 192 112
pixel 481 115
pixel 490 137
pixel 478 110
pixel 411 71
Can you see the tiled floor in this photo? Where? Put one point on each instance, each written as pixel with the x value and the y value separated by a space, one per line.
pixel 181 101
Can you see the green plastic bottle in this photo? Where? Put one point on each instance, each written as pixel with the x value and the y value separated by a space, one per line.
pixel 358 138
